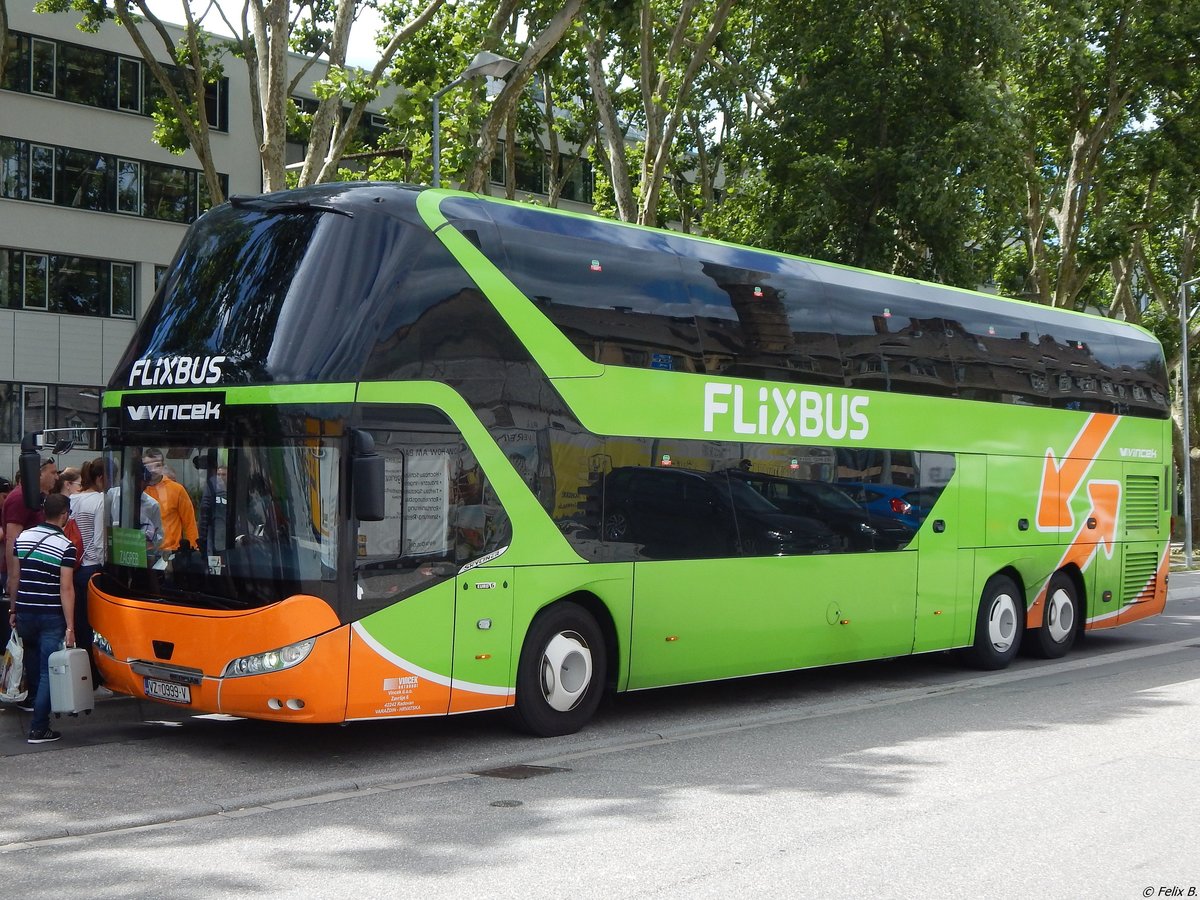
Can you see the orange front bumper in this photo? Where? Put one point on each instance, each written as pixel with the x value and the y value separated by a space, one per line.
pixel 193 646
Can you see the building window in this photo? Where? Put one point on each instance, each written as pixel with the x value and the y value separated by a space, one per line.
pixel 129 186
pixel 77 284
pixel 98 78
pixel 531 172
pixel 12 168
pixel 86 75
pixel 15 76
pixel 204 200
pixel 41 173
pixel 88 179
pixel 84 179
pixel 160 272
pixel 122 291
pixel 166 193
pixel 33 408
pixel 129 85
pixel 43 61
pixel 216 104
pixel 35 289
pixel 71 285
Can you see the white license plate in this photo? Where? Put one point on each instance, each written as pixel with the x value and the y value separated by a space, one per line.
pixel 168 690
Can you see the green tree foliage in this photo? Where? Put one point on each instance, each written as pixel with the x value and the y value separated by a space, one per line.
pixel 649 62
pixel 1094 85
pixel 883 137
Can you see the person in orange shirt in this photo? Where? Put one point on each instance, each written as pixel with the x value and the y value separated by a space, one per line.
pixel 178 514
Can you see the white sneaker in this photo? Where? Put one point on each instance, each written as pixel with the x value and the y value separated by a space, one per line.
pixel 102 693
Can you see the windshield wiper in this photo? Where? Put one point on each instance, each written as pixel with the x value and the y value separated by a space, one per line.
pixel 261 204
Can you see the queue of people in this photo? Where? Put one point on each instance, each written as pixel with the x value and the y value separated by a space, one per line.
pixel 49 554
pixel 40 557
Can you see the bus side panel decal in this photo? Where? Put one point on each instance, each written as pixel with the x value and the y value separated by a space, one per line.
pixel 1054 511
pixel 383 684
pixel 1105 499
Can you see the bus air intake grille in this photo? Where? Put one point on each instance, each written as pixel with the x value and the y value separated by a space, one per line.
pixel 1141 577
pixel 1141 503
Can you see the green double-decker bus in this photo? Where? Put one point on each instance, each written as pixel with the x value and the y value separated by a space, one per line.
pixel 449 453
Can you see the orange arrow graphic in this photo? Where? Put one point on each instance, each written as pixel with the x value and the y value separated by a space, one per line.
pixel 1060 481
pixel 1089 540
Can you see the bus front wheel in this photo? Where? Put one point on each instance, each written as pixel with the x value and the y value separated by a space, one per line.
pixel 561 672
pixel 999 624
pixel 1060 619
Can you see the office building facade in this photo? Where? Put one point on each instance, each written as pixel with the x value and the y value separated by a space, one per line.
pixel 92 211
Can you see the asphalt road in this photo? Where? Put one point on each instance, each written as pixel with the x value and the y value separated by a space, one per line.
pixel 906 778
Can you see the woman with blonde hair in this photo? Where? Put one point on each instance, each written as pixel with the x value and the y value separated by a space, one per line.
pixel 69 482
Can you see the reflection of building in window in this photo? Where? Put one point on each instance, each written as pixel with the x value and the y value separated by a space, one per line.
pixel 25 408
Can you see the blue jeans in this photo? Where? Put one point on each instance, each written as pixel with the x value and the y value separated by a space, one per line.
pixel 42 634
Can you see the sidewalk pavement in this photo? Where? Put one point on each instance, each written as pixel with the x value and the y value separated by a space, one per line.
pixel 113 718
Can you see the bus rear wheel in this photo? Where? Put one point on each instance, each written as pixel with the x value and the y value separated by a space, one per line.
pixel 998 625
pixel 1060 619
pixel 561 672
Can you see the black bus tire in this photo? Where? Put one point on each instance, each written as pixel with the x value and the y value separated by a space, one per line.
pixel 562 670
pixel 1060 619
pixel 998 624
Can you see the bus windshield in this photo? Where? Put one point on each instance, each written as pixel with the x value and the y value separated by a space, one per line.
pixel 228 525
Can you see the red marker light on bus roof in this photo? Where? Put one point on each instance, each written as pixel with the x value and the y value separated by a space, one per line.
pixel 595 266
pixel 887 313
pixel 666 459
pixel 758 292
pixel 794 464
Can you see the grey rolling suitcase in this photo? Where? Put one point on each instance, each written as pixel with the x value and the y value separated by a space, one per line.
pixel 71 682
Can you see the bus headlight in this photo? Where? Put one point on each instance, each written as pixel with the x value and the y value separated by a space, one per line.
pixel 100 642
pixel 271 661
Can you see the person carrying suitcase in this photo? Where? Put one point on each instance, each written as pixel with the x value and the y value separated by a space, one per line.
pixel 42 604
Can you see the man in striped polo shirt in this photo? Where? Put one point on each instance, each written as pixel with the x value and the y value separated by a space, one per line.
pixel 42 604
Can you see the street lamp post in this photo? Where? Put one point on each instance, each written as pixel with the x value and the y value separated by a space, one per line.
pixel 1184 316
pixel 484 63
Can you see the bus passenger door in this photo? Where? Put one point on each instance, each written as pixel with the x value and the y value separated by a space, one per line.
pixel 943 580
pixel 437 627
pixel 482 640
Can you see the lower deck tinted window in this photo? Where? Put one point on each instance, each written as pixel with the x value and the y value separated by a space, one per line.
pixel 619 498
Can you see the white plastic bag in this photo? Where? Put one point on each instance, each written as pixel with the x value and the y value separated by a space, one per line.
pixel 12 675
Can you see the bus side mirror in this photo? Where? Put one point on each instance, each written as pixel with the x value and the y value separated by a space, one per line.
pixel 367 477
pixel 30 466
